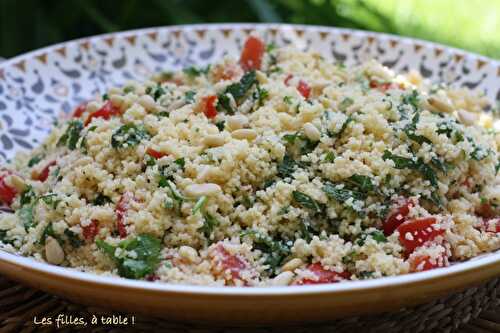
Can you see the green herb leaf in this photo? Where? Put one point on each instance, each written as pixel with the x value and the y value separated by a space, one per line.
pixel 101 200
pixel 34 160
pixel 49 199
pixel 287 167
pixel 199 204
pixel 330 157
pixel 193 72
pixel 239 90
pixel 48 231
pixel 411 128
pixel 73 238
pixel 189 96
pixel 346 102
pixel 376 235
pixel 128 136
pixel 72 134
pixel 408 163
pixel 146 257
pixel 220 125
pixel 28 196
pixel 156 92
pixel 25 214
pixel 274 250
pixel 209 224
pixel 306 201
pixel 362 183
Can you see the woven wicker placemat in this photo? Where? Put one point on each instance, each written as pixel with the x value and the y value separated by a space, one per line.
pixel 475 310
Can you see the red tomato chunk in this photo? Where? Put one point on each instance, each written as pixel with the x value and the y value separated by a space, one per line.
pixel 121 211
pixel 7 192
pixel 421 263
pixel 44 174
pixel 229 262
pixel 209 106
pixel 397 217
pixel 90 231
pixel 304 89
pixel 252 53
pixel 415 233
pixel 80 109
pixel 323 275
pixel 106 111
pixel 155 153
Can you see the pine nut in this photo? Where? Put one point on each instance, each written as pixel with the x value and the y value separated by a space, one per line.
pixel 237 122
pixel 147 102
pixel 188 253
pixel 53 251
pixel 283 279
pixel 311 132
pixel 467 118
pixel 213 140
pixel 198 190
pixel 244 134
pixel 292 264
pixel 440 105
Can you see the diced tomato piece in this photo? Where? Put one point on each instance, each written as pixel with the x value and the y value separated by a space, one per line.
pixel 304 89
pixel 492 225
pixel 383 86
pixel 287 79
pixel 121 211
pixel 107 111
pixel 80 109
pixel 209 106
pixel 152 277
pixel 155 153
pixel 420 263
pixel 229 262
pixel 486 210
pixel 7 192
pixel 415 233
pixel 91 230
pixel 44 174
pixel 324 275
pixel 397 216
pixel 252 53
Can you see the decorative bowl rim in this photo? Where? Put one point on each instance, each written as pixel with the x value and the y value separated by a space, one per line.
pixel 362 285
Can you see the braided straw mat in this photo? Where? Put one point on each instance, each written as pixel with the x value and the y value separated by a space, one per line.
pixel 475 310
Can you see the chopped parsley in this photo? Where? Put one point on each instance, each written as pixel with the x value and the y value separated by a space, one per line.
pixel 189 96
pixel 306 201
pixel 101 200
pixel 237 91
pixel 209 224
pixel 412 127
pixel 146 255
pixel 73 238
pixel 34 160
pixel 156 92
pixel 376 235
pixel 346 102
pixel 401 162
pixel 193 72
pixel 275 251
pixel 128 136
pixel 72 134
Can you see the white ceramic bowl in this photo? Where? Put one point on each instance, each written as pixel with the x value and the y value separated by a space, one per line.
pixel 36 87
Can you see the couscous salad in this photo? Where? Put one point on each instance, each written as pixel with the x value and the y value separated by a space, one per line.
pixel 277 168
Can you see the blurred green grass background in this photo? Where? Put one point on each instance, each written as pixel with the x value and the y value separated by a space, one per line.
pixel 469 24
